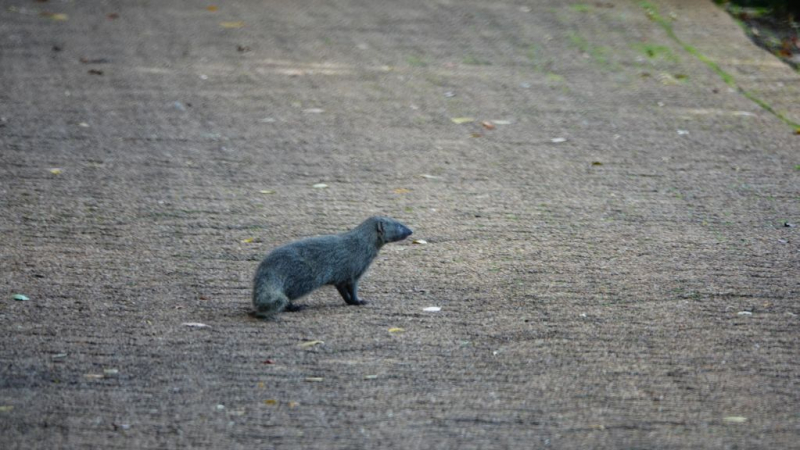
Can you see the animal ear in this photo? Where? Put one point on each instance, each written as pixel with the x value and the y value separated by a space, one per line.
pixel 379 227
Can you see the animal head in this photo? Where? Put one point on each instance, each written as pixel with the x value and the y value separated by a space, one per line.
pixel 390 230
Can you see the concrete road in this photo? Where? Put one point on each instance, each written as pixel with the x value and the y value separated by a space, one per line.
pixel 609 192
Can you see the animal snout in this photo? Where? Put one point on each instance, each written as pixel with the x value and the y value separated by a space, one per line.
pixel 405 232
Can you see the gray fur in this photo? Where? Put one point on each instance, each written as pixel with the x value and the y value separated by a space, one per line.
pixel 294 270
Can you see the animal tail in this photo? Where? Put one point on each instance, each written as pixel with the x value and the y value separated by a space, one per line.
pixel 268 299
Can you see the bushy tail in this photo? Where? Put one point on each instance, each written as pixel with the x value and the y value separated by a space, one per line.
pixel 268 299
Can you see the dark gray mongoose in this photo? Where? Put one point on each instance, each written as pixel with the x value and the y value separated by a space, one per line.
pixel 294 270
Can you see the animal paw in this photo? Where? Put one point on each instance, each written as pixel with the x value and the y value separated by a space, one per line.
pixel 294 308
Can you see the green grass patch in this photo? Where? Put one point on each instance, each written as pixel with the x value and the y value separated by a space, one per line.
pixel 473 61
pixel 416 61
pixel 598 53
pixel 581 7
pixel 654 51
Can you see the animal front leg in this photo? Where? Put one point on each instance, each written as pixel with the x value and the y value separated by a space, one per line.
pixel 344 292
pixel 352 290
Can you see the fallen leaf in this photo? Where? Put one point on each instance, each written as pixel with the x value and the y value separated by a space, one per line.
pixel 432 309
pixel 261 385
pixel 419 241
pixel 310 344
pixel 268 361
pixel 314 379
pixel 396 330
pixel 597 163
pixel 501 122
pixel 94 376
pixel 238 24
pixel 476 135
pixel 83 125
pixel 195 325
pixel 55 171
pixel 314 111
pixel 683 132
pixel 293 404
pixel 54 16
pixel 20 298
pixel 735 419
pixel 112 16
pixel 744 313
pixel 242 48
pixel 247 241
pixel 402 191
pixel 212 8
pixel 430 177
pixel 320 186
pixel 488 125
pixel 460 120
pixel 6 408
pixel 110 372
pixel 271 402
pixel 558 140
pixel 266 191
pixel 95 72
pixel 370 377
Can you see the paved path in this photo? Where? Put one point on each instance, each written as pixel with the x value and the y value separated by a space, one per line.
pixel 606 225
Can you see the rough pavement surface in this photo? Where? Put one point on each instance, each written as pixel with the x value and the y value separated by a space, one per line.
pixel 634 286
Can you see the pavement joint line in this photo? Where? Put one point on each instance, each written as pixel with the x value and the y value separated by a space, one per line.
pixel 654 15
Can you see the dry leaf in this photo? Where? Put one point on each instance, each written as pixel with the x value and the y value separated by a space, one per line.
pixel 419 241
pixel 94 376
pixel 266 191
pixel 6 408
pixel 558 140
pixel 247 241
pixel 194 325
pixel 20 297
pixel 501 122
pixel 310 344
pixel 238 24
pixel 370 377
pixel 396 330
pixel 314 111
pixel 293 404
pixel 488 125
pixel 53 16
pixel 597 163
pixel 476 135
pixel 402 191
pixel 430 177
pixel 320 186
pixel 261 385
pixel 314 379
pixel 55 171
pixel 735 419
pixel 271 402
pixel 460 120
pixel 432 309
pixel 211 8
